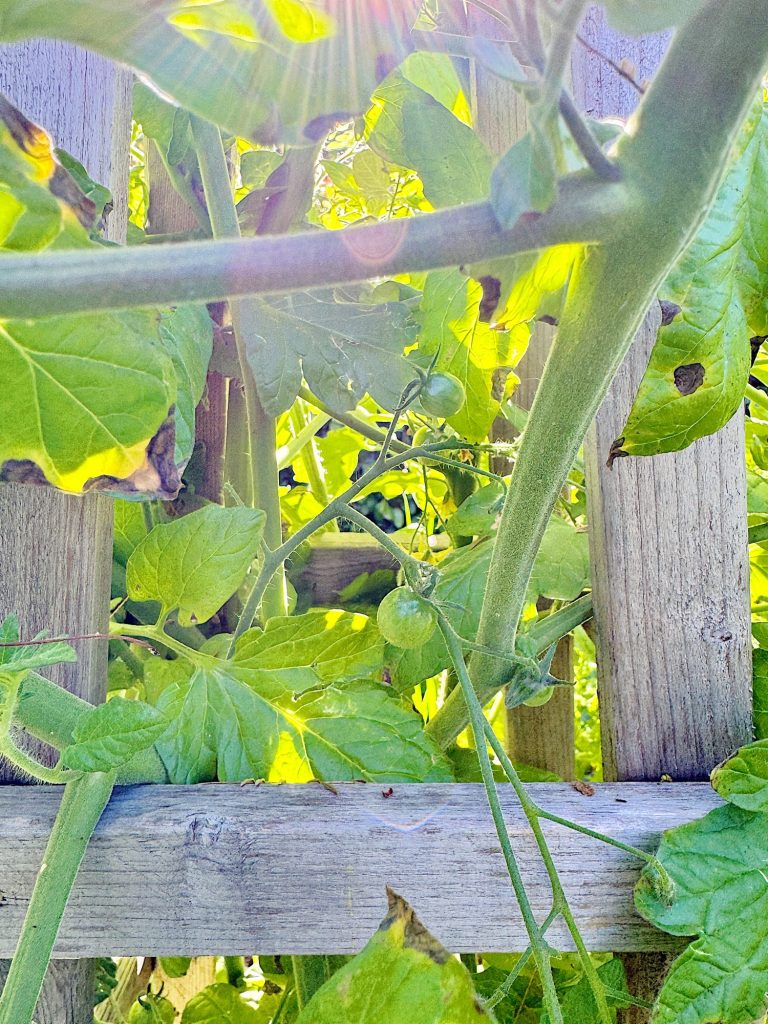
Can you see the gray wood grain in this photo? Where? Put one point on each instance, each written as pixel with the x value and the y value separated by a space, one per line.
pixel 669 555
pixel 223 869
pixel 336 560
pixel 56 549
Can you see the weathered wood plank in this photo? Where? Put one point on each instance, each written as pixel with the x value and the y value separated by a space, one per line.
pixel 184 870
pixel 669 554
pixel 56 549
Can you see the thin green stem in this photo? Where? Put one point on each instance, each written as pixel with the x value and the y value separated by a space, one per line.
pixel 350 420
pixel 81 807
pixel 262 440
pixel 533 813
pixel 477 721
pixel 506 986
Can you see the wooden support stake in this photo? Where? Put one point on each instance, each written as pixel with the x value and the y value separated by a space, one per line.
pixel 55 549
pixel 669 554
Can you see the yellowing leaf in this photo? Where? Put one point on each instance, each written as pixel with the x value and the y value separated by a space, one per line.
pixel 403 974
pixel 300 21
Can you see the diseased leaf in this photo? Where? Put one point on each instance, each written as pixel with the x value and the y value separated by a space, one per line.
pixel 481 357
pixel 714 300
pixel 343 348
pixel 718 865
pixel 110 734
pixel 88 399
pixel 194 564
pixel 248 65
pixel 232 723
pixel 403 974
pixel 409 127
pixel 219 1004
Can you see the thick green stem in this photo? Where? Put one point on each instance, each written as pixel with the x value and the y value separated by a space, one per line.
pixel 262 439
pixel 704 89
pixel 82 805
pixel 85 279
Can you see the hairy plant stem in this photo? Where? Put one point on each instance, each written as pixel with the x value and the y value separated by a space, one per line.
pixel 477 721
pixel 704 88
pixel 83 279
pixel 262 441
pixel 81 807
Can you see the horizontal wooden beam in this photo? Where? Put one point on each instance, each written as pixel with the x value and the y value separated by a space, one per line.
pixel 225 869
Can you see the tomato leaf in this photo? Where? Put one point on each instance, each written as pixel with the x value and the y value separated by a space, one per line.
pixel 110 734
pixel 343 348
pixel 219 1004
pixel 482 358
pixel 714 299
pixel 232 723
pixel 403 973
pixel 21 659
pixel 248 65
pixel 718 865
pixel 194 564
pixel 305 651
pixel 409 127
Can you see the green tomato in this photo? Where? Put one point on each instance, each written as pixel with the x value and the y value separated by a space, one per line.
pixel 540 698
pixel 405 618
pixel 443 395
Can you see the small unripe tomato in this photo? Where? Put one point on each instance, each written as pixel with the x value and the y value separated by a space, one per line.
pixel 406 619
pixel 443 395
pixel 540 698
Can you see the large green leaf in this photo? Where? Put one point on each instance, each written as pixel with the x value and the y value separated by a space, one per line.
pixel 481 357
pixel 561 569
pixel 403 974
pixel 88 399
pixel 760 692
pixel 718 866
pixel 343 348
pixel 305 651
pixel 232 723
pixel 110 734
pixel 409 127
pixel 194 564
pixel 743 778
pixel 231 61
pixel 715 300
pixel 219 1004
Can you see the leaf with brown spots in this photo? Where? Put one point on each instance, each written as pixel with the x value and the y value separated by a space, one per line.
pixel 712 303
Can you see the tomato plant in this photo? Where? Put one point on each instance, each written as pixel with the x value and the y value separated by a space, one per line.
pixel 364 272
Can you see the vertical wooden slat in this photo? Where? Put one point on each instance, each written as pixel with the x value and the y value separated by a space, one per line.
pixel 55 549
pixel 669 555
pixel 542 737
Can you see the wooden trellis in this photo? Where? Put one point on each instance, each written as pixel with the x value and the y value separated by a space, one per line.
pixel 226 869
